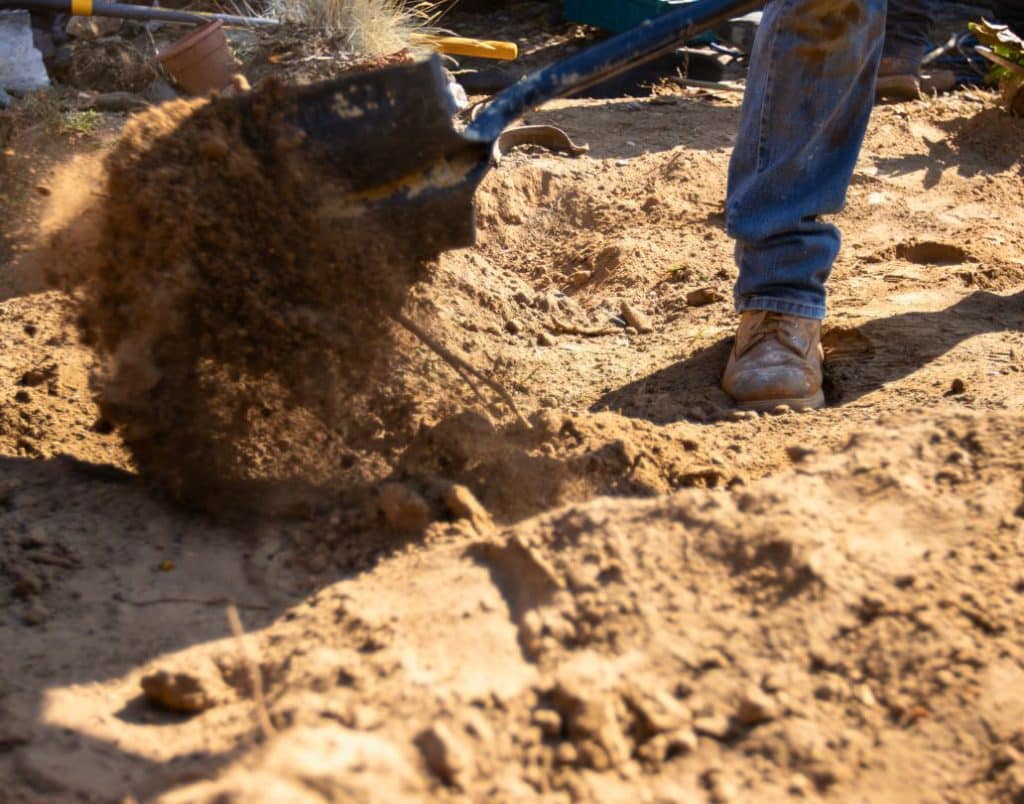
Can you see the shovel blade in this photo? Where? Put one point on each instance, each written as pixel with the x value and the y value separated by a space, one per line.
pixel 388 150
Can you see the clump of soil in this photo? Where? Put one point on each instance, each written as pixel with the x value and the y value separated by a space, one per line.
pixel 109 65
pixel 238 330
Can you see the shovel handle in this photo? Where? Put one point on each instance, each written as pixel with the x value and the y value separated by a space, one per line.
pixel 130 11
pixel 648 41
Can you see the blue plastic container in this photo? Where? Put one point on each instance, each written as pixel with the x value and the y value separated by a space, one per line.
pixel 618 15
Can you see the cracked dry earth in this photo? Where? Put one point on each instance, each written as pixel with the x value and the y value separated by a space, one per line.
pixel 644 596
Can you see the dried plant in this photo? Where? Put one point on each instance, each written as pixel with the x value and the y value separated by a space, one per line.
pixel 371 27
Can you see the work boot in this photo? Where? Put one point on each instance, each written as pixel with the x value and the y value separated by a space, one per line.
pixel 776 360
pixel 898 79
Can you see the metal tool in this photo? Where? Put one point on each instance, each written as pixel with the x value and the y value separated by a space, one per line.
pixel 130 11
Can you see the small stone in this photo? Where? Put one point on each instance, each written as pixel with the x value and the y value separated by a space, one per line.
pixel 635 318
pixel 702 297
pixel 549 721
pixel 799 785
pixel 660 711
pixel 798 453
pixel 956 388
pixel 179 692
pixel 577 278
pixel 717 726
pixel 566 754
pixel 463 504
pixel 866 696
pixel 402 507
pixel 756 707
pixel 513 327
pixel 543 339
pixel 681 741
pixel 39 375
pixel 446 757
pixel 781 410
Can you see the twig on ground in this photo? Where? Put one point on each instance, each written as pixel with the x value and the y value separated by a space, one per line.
pixel 460 366
pixel 255 677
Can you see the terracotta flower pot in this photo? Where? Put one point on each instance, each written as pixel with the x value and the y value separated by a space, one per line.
pixel 202 62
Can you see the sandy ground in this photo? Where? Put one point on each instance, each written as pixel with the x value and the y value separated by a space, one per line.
pixel 644 596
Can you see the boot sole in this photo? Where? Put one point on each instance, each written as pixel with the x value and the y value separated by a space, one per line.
pixel 897 87
pixel 812 402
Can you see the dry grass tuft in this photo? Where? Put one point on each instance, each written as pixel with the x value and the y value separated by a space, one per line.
pixel 371 27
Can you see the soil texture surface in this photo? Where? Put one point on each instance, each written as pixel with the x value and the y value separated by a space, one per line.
pixel 625 591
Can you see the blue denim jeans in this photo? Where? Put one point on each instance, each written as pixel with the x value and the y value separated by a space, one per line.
pixel 907 25
pixel 809 94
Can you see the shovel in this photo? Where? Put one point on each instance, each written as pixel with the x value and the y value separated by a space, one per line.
pixel 387 136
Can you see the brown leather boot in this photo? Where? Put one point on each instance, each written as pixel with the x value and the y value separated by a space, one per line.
pixel 776 360
pixel 898 79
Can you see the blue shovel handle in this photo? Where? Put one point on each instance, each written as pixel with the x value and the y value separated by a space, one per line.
pixel 648 41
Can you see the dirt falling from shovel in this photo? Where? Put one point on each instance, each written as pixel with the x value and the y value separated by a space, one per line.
pixel 243 342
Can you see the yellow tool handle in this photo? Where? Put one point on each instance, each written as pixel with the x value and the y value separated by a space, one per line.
pixel 481 48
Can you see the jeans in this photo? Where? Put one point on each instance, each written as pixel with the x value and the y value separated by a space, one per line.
pixel 907 26
pixel 809 94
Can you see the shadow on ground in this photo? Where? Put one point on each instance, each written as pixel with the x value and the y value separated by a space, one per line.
pixel 100 578
pixel 887 349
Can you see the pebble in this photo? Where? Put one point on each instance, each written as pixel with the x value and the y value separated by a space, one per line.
pixel 513 327
pixel 549 721
pixel 717 726
pixel 179 692
pixel 446 757
pixel 756 707
pixel 702 297
pixel 543 339
pixel 566 754
pixel 635 318
pixel 798 454
pixel 463 504
pixel 402 507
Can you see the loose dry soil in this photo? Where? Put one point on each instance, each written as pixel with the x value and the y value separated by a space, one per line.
pixel 643 596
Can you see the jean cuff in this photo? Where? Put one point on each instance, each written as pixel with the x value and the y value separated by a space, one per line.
pixel 816 311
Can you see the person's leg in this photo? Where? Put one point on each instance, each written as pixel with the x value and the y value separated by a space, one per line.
pixel 809 94
pixel 907 26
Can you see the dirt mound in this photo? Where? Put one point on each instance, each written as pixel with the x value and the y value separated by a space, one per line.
pixel 516 472
pixel 813 633
pixel 238 336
